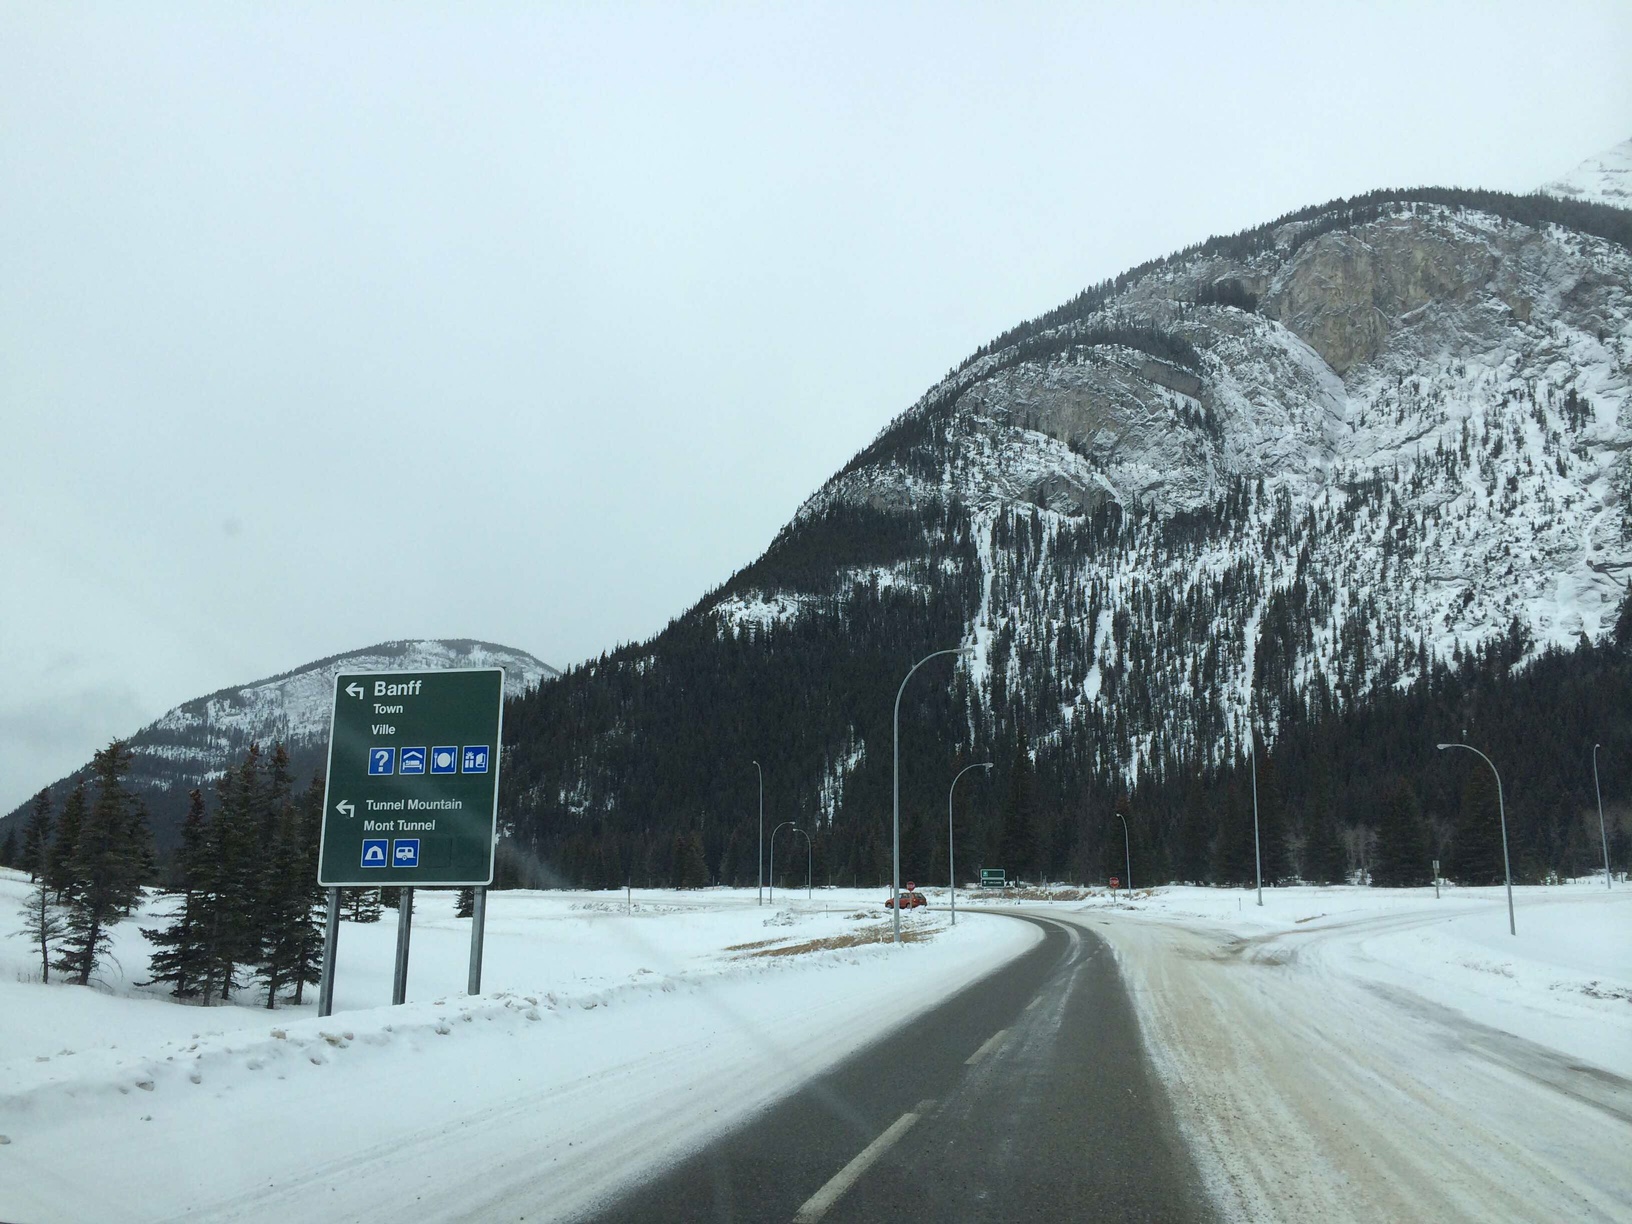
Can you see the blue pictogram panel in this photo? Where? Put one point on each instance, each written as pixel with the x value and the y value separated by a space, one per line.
pixel 374 852
pixel 412 761
pixel 382 761
pixel 405 852
pixel 475 759
pixel 444 759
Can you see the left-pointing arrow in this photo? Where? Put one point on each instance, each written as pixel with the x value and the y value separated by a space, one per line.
pixel 345 809
pixel 355 689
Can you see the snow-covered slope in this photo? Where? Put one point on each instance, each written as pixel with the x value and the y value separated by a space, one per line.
pixel 1604 179
pixel 1405 432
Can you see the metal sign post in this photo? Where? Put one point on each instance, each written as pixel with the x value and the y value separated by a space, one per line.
pixel 478 932
pixel 331 940
pixel 1436 879
pixel 412 793
pixel 405 930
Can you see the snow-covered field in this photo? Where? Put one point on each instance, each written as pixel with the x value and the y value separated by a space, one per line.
pixel 605 1042
pixel 1341 1053
pixel 1366 1054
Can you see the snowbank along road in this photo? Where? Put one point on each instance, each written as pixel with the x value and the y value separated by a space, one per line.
pixel 1309 1090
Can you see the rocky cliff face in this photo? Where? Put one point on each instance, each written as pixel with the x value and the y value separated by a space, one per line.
pixel 1409 432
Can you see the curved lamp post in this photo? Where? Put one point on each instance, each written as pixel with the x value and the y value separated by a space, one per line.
pixel 1501 810
pixel 761 832
pixel 895 736
pixel 1600 795
pixel 951 865
pixel 809 859
pixel 772 871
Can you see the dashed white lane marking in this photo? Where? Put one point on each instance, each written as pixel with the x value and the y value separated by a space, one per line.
pixel 817 1205
pixel 987 1048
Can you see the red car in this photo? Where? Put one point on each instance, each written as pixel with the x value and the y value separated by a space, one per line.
pixel 909 899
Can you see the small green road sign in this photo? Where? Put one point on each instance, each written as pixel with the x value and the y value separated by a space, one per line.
pixel 413 783
pixel 993 877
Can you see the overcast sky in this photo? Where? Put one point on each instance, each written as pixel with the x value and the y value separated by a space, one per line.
pixel 322 326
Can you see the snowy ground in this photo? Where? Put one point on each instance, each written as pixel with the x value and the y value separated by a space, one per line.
pixel 605 1042
pixel 1341 1053
pixel 1365 1054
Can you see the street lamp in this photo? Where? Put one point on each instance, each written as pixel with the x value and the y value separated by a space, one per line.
pixel 1127 849
pixel 1501 811
pixel 772 872
pixel 1257 854
pixel 1600 795
pixel 761 833
pixel 951 865
pixel 895 736
pixel 809 858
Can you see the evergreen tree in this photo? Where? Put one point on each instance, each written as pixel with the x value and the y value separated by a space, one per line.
pixel 59 865
pixel 239 873
pixel 1277 862
pixel 43 924
pixel 362 904
pixel 465 904
pixel 1476 849
pixel 106 867
pixel 1235 860
pixel 181 955
pixel 1401 859
pixel 37 837
pixel 1325 861
pixel 8 849
pixel 1019 837
pixel 391 898
pixel 690 865
pixel 306 964
pixel 138 837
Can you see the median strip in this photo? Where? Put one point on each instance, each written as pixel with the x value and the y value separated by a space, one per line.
pixel 818 1204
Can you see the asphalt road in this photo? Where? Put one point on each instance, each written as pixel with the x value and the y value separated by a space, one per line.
pixel 1025 1097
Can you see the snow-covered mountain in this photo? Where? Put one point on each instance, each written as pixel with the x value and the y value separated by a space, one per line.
pixel 1255 481
pixel 195 742
pixel 1391 430
pixel 1604 179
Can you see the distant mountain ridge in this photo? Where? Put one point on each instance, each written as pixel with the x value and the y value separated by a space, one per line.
pixel 1604 179
pixel 196 742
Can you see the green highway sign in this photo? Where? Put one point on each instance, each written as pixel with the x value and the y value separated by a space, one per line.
pixel 993 877
pixel 413 784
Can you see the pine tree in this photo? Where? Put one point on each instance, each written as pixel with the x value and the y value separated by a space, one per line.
pixel 307 961
pixel 106 867
pixel 1401 859
pixel 1277 864
pixel 1476 849
pixel 465 904
pixel 59 863
pixel 37 837
pixel 181 957
pixel 690 865
pixel 1019 840
pixel 43 924
pixel 239 872
pixel 8 849
pixel 362 904
pixel 1325 861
